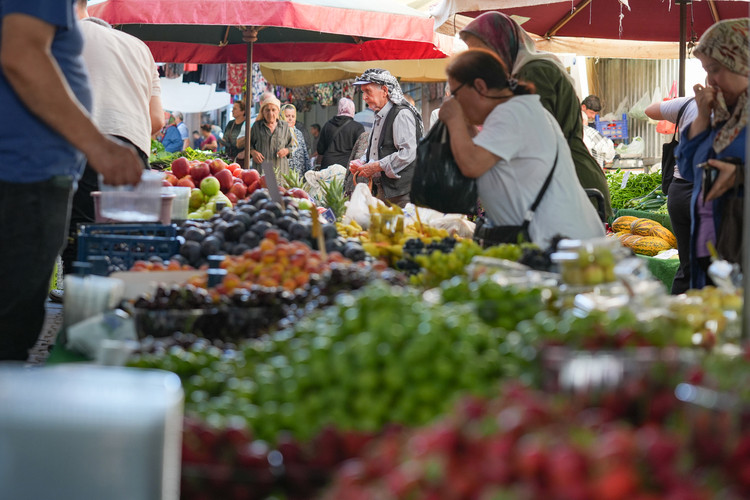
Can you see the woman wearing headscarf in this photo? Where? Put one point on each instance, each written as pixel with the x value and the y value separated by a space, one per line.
pixel 717 133
pixel 499 33
pixel 338 135
pixel 270 138
pixel 232 132
pixel 298 161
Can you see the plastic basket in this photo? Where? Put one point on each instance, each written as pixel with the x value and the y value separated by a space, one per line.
pixel 126 243
pixel 164 214
pixel 615 130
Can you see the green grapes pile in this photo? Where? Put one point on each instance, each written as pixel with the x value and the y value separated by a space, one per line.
pixel 438 266
pixel 380 355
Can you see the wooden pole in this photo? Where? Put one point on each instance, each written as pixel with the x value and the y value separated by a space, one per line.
pixel 248 102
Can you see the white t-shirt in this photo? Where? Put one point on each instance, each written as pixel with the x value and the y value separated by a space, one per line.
pixel 670 109
pixel 123 79
pixel 526 138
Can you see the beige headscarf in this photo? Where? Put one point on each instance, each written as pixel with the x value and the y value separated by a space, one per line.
pixel 727 43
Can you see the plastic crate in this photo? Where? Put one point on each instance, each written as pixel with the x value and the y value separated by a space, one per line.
pixel 124 244
pixel 615 130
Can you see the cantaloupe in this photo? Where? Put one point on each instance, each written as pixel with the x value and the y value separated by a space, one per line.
pixel 623 223
pixel 642 227
pixel 665 234
pixel 650 245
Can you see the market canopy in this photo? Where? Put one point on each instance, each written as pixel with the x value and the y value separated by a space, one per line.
pixel 210 31
pixel 599 28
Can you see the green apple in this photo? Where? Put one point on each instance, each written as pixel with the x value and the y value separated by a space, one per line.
pixel 304 205
pixel 196 198
pixel 210 185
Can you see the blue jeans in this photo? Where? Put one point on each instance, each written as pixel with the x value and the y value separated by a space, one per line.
pixel 33 231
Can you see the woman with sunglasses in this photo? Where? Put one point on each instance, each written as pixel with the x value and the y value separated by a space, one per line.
pixel 515 152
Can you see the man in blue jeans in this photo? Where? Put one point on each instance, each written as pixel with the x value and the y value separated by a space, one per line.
pixel 45 136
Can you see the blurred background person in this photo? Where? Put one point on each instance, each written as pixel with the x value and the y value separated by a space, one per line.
pixel 338 136
pixel 590 107
pixel 171 139
pixel 680 190
pixel 270 137
pixel 718 132
pixel 197 139
pixel 515 152
pixel 554 86
pixel 232 132
pixel 299 161
pixel 209 142
pixel 182 129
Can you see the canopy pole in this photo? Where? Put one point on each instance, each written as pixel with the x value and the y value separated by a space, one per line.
pixel 683 45
pixel 248 102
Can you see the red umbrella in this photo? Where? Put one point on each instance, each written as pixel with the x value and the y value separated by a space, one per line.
pixel 634 20
pixel 247 31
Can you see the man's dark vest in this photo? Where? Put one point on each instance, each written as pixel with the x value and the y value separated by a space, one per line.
pixel 387 146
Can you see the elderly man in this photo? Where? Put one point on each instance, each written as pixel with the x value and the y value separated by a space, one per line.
pixel 392 151
pixel 182 129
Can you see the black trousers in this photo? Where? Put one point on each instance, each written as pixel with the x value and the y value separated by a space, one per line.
pixel 678 206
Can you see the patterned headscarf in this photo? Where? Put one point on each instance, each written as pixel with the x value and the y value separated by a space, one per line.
pixel 395 94
pixel 727 43
pixel 346 107
pixel 514 46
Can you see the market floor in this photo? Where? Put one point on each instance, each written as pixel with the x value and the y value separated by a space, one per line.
pixel 52 323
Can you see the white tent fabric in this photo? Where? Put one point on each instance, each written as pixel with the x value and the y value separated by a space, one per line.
pixel 191 97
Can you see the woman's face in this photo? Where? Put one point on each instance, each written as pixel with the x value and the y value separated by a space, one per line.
pixel 237 112
pixel 290 117
pixel 270 114
pixel 205 133
pixel 466 97
pixel 717 75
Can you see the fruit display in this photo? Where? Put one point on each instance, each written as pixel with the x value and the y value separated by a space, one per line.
pixel 643 236
pixel 236 230
pixel 587 263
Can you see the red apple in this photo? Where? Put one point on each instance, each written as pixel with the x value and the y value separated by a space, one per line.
pixel 299 193
pixel 239 190
pixel 217 165
pixel 252 187
pixel 234 166
pixel 232 197
pixel 249 176
pixel 237 173
pixel 199 172
pixel 180 167
pixel 225 179
pixel 186 181
pixel 263 181
pixel 172 178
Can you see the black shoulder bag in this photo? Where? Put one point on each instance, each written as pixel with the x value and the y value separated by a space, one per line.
pixel 487 236
pixel 667 153
pixel 438 182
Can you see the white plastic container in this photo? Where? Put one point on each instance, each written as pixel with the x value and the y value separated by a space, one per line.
pixel 89 432
pixel 140 203
pixel 181 201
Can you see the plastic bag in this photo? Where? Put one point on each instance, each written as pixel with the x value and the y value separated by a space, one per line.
pixel 665 126
pixel 622 109
pixel 635 148
pixel 314 178
pixel 638 110
pixel 438 182
pixel 358 206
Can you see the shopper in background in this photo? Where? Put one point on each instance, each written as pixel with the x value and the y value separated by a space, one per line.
pixel 171 139
pixel 590 107
pixel 270 138
pixel 519 147
pixel 338 136
pixel 209 142
pixel 45 98
pixel 718 132
pixel 182 129
pixel 680 190
pixel 299 161
pixel 501 34
pixel 232 132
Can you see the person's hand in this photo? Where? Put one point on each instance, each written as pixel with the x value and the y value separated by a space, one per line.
pixel 118 163
pixel 257 157
pixel 450 110
pixel 354 166
pixel 370 169
pixel 724 181
pixel 705 99
pixel 282 152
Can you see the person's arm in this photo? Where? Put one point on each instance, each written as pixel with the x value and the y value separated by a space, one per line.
pixel 653 111
pixel 157 114
pixel 36 78
pixel 473 160
pixel 705 100
pixel 211 143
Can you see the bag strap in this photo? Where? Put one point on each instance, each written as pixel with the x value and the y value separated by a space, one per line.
pixel 338 131
pixel 530 213
pixel 679 116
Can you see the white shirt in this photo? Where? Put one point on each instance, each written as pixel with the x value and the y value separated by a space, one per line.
pixel 526 138
pixel 404 137
pixel 123 79
pixel 601 148
pixel 670 109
